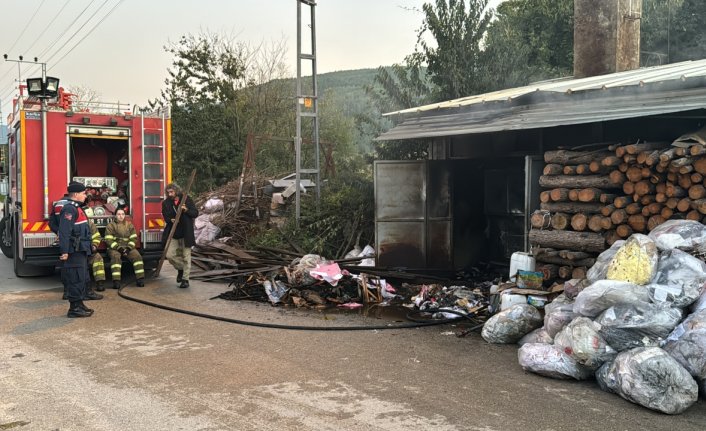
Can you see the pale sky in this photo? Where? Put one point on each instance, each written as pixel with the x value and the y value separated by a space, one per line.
pixel 123 59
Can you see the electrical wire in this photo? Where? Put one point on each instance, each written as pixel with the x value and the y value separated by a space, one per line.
pixel 47 27
pixel 66 29
pixel 89 33
pixel 26 27
pixel 20 36
pixel 415 324
pixel 36 69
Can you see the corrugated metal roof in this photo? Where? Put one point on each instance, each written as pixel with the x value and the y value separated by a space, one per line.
pixel 668 72
pixel 637 93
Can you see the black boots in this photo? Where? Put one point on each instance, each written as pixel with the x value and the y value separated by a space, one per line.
pixel 116 284
pixel 180 276
pixel 99 286
pixel 140 282
pixel 79 309
pixel 184 284
pixel 91 295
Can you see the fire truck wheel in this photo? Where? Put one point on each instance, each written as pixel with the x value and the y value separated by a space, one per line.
pixel 6 238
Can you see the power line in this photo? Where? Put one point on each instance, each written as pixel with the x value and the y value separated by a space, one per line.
pixel 26 26
pixel 34 71
pixel 55 40
pixel 46 27
pixel 88 34
pixel 77 31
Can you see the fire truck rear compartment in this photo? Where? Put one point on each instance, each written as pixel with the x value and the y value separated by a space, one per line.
pixel 99 157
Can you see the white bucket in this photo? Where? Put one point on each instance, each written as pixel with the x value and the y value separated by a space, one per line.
pixel 508 300
pixel 520 262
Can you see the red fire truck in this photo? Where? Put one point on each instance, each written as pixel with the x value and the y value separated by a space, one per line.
pixel 121 155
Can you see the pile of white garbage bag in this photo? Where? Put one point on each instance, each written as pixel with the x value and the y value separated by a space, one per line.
pixel 637 323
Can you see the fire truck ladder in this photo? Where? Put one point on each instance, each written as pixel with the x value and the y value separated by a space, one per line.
pixel 154 177
pixel 307 105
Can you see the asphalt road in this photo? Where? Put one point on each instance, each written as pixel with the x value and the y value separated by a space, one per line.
pixel 134 367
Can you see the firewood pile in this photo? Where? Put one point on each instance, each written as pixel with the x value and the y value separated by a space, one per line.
pixel 238 222
pixel 594 198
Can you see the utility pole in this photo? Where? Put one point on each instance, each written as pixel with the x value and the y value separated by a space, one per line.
pixel 307 106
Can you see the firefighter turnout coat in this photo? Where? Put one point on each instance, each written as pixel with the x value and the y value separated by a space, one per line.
pixel 121 239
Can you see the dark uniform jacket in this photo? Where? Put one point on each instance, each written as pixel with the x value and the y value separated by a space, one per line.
pixel 74 233
pixel 56 211
pixel 185 227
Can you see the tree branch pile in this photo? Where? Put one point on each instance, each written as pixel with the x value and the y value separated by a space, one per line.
pixel 238 222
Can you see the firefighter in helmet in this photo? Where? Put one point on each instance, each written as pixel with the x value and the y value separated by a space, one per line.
pixel 121 238
pixel 95 261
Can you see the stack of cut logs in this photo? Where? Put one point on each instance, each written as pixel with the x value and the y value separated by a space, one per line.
pixel 594 198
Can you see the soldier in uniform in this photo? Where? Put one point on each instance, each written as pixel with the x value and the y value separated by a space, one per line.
pixel 121 238
pixel 95 261
pixel 74 248
pixel 54 222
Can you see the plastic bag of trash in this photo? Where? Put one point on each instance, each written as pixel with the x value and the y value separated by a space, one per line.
pixel 204 230
pixel 551 361
pixel 213 205
pixel 539 335
pixel 648 376
pixel 275 291
pixel 581 340
pixel 679 279
pixel 640 324
pixel 599 269
pixel 603 294
pixel 693 322
pixel 686 235
pixel 635 262
pixel 690 351
pixel 301 266
pixel 508 326
pixel 368 253
pixel 353 253
pixel 558 314
pixel 700 303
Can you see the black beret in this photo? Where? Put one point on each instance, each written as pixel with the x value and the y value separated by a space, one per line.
pixel 75 187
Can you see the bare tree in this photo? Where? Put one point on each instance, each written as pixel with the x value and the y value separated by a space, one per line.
pixel 82 97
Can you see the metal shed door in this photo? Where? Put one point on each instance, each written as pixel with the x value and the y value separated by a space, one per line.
pixel 413 226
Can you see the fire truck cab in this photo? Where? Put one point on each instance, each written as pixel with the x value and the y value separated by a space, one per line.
pixel 122 156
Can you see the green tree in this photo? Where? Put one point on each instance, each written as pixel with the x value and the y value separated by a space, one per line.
pixel 395 88
pixel 672 31
pixel 220 91
pixel 529 41
pixel 452 60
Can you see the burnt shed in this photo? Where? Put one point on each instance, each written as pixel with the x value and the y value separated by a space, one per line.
pixel 472 199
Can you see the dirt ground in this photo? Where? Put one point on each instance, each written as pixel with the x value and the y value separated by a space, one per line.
pixel 134 367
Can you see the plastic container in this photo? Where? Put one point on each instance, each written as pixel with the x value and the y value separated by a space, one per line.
pixel 529 279
pixel 537 301
pixel 520 261
pixel 508 300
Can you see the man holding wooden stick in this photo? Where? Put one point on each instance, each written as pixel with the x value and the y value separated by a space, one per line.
pixel 179 248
